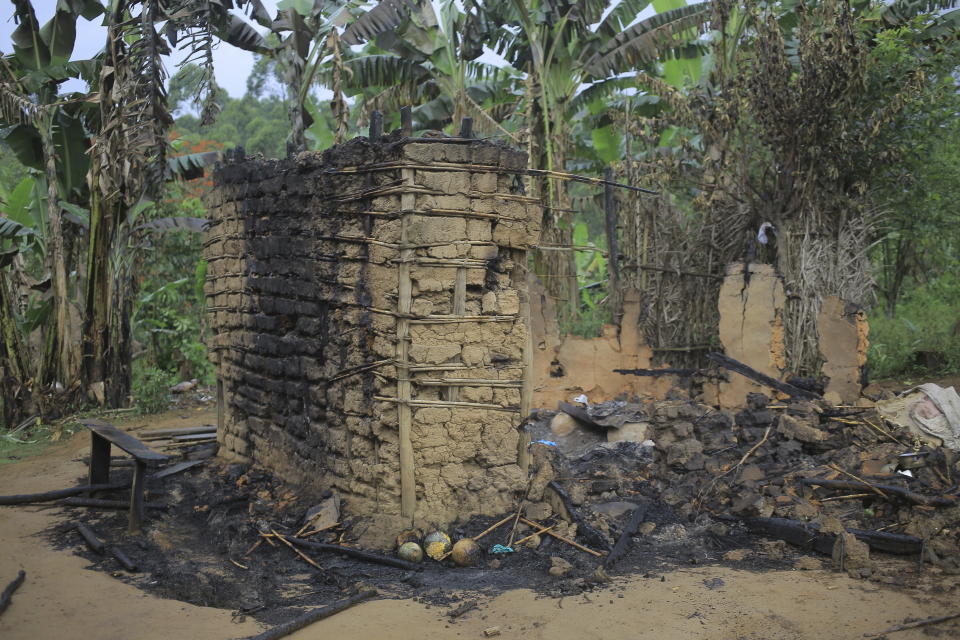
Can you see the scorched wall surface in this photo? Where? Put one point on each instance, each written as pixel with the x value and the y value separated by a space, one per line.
pixel 370 316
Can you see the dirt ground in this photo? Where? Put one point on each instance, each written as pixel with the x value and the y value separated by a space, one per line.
pixel 62 599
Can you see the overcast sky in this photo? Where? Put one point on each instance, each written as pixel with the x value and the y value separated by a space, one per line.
pixel 232 65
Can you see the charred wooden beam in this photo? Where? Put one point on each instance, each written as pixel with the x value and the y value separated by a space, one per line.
pixel 590 534
pixel 905 494
pixel 376 126
pixel 738 367
pixel 97 503
pixel 359 554
pixel 90 537
pixel 623 542
pixel 58 494
pixel 807 535
pixel 123 559
pixel 7 594
pixel 306 619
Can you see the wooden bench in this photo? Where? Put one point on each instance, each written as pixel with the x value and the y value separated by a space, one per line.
pixel 103 436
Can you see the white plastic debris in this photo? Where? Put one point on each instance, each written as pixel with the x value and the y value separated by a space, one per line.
pixel 929 411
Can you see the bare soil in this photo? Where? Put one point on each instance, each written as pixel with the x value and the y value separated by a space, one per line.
pixel 678 590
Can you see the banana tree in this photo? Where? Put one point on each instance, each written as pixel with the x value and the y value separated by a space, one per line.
pixel 430 61
pixel 44 130
pixel 573 52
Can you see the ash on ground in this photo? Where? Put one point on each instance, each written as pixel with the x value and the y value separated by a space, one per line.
pixel 711 487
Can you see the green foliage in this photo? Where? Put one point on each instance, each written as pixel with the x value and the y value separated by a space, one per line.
pixel 259 125
pixel 593 285
pixel 168 318
pixel 924 336
pixel 151 390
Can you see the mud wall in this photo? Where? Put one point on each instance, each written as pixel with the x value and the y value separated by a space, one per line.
pixel 566 366
pixel 369 313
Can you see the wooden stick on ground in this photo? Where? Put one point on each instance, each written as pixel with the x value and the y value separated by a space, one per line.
pixel 96 503
pixel 123 559
pixel 859 479
pixel 570 542
pixel 886 433
pixel 296 624
pixel 492 527
pixel 49 496
pixel 535 533
pixel 253 547
pixel 847 497
pixel 8 592
pixel 906 494
pixel 305 557
pixel 914 625
pixel 623 542
pixel 314 532
pixel 359 554
pixel 469 605
pixel 516 521
pixel 95 543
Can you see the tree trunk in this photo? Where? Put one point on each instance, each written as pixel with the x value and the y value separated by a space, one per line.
pixel 15 397
pixel 57 364
pixel 108 304
pixel 557 269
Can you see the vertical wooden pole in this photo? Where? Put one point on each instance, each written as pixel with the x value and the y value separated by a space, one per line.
pixel 459 309
pixel 610 217
pixel 136 497
pixel 408 486
pixel 521 284
pixel 466 128
pixel 376 126
pixel 406 121
pixel 99 459
pixel 220 410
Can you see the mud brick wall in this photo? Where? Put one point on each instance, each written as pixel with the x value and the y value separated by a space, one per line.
pixel 370 321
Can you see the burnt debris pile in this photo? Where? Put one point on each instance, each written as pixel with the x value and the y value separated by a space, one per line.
pixel 839 481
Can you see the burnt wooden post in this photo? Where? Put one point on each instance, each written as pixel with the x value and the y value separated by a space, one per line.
pixel 135 519
pixel 406 121
pixel 376 126
pixel 466 128
pixel 610 217
pixel 99 459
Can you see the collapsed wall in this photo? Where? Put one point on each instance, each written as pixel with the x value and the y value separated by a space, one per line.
pixel 369 313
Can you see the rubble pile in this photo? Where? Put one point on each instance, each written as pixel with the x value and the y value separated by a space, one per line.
pixel 838 480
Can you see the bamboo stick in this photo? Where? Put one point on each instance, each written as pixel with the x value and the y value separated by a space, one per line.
pixel 304 556
pixel 444 403
pixel 408 487
pixel 556 535
pixel 859 479
pixel 535 533
pixel 468 382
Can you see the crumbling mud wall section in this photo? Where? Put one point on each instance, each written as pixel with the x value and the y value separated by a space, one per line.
pixel 842 328
pixel 566 366
pixel 751 328
pixel 369 312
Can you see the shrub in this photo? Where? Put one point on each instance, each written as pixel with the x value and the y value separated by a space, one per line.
pixel 152 390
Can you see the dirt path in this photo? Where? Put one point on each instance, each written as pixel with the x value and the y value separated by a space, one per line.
pixel 63 600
